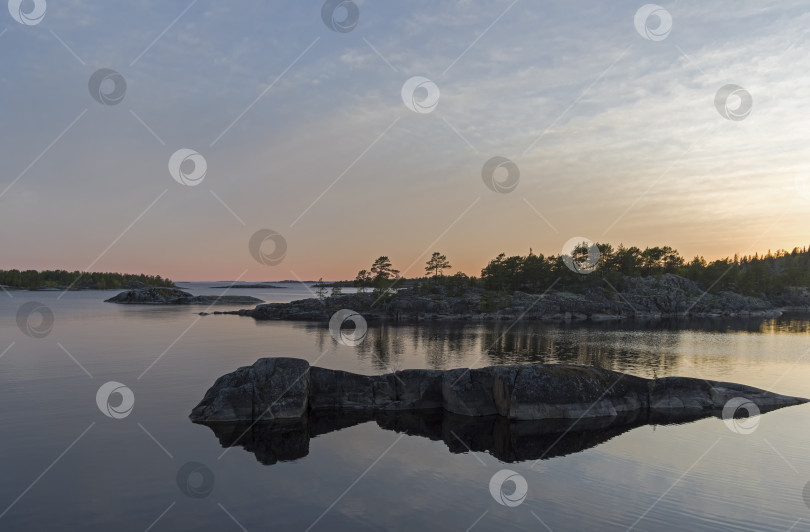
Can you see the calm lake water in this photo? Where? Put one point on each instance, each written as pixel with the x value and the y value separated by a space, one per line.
pixel 64 465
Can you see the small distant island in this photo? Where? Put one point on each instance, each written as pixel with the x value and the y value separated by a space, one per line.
pixel 77 280
pixel 174 296
pixel 246 285
pixel 593 282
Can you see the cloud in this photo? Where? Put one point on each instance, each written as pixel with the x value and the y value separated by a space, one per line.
pixel 598 120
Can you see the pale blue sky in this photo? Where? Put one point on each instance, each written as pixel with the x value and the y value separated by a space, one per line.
pixel 617 137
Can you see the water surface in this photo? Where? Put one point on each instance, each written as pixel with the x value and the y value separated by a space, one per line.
pixel 66 466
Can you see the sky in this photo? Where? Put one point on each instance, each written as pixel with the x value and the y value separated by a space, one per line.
pixel 611 117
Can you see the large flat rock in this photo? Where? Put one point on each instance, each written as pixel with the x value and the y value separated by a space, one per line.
pixel 288 388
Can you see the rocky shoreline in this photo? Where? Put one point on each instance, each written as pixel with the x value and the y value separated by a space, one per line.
pixel 644 298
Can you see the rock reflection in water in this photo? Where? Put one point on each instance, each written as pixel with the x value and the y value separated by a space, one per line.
pixel 283 441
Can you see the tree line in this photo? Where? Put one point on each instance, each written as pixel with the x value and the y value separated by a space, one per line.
pixel 588 265
pixel 76 280
pixel 752 275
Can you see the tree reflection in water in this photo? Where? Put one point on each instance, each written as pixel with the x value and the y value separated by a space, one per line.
pixel 610 345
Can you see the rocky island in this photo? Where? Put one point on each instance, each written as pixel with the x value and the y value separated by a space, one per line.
pixel 287 388
pixel 641 298
pixel 174 296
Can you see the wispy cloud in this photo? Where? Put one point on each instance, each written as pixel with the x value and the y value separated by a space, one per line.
pixel 606 131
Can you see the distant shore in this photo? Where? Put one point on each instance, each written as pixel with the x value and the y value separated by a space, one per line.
pixel 58 288
pixel 254 286
pixel 63 280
